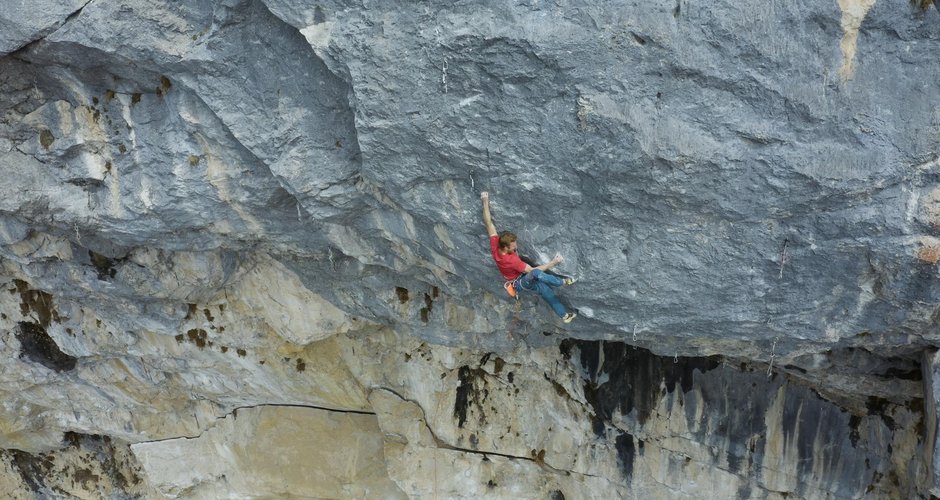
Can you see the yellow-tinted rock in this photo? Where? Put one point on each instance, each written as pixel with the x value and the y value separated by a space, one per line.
pixel 274 451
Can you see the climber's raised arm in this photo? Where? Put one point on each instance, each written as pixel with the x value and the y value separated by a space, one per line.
pixel 490 228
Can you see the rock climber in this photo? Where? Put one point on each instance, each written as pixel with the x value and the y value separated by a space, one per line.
pixel 520 275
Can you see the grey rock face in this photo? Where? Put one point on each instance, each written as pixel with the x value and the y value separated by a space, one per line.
pixel 749 180
pixel 24 22
pixel 706 175
pixel 776 432
pixel 930 419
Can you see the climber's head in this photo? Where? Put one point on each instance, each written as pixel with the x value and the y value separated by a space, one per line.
pixel 507 242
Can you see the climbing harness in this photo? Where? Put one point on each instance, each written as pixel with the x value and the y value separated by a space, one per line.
pixel 512 287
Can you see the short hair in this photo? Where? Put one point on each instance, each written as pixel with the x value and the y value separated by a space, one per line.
pixel 506 238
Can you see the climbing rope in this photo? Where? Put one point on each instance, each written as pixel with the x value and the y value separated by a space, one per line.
pixel 783 256
pixel 516 318
pixel 773 354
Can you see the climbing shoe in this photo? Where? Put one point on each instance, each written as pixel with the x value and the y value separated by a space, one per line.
pixel 570 281
pixel 567 318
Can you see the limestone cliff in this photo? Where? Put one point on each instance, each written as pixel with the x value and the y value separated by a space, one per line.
pixel 242 251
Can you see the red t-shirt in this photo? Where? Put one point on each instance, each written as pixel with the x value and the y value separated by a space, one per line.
pixel 510 265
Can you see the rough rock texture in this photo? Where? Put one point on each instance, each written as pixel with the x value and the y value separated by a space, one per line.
pixel 274 452
pixel 85 467
pixel 932 390
pixel 24 22
pixel 274 204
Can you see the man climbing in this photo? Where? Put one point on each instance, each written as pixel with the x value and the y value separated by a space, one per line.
pixel 520 275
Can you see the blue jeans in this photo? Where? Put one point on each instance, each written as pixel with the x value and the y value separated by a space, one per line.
pixel 542 282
